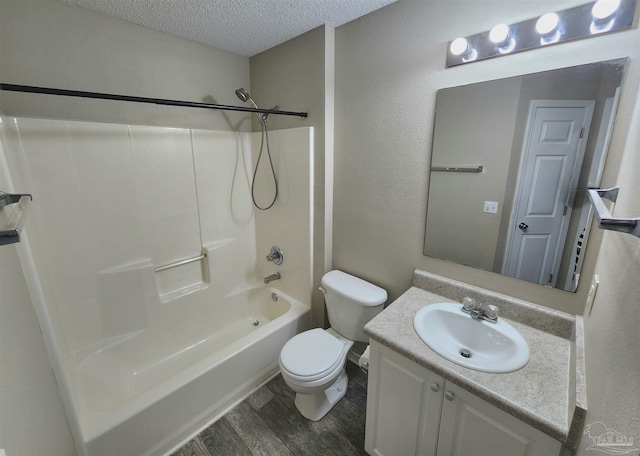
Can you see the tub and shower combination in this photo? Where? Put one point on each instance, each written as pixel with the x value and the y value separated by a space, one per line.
pixel 145 262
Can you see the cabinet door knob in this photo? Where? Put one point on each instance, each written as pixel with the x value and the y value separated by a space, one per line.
pixel 449 395
pixel 435 387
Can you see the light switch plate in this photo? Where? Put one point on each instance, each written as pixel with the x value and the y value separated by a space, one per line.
pixel 592 294
pixel 491 207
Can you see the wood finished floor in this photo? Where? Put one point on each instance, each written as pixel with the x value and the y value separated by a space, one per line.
pixel 268 423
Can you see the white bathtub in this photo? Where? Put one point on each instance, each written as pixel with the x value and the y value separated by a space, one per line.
pixel 151 391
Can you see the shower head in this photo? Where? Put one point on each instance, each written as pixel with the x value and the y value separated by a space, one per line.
pixel 244 96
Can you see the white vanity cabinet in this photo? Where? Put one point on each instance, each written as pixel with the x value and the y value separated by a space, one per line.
pixel 404 402
pixel 412 411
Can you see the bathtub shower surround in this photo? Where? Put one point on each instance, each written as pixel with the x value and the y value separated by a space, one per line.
pixel 144 255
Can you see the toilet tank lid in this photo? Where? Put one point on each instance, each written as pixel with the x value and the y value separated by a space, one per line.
pixel 354 288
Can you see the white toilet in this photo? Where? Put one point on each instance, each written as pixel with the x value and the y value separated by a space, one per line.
pixel 312 363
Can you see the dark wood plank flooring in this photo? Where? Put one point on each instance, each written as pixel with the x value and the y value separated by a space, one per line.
pixel 268 423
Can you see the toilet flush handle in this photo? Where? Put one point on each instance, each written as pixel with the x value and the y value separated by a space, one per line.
pixel 322 289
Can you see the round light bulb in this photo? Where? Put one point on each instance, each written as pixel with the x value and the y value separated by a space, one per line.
pixel 603 9
pixel 547 23
pixel 459 46
pixel 499 34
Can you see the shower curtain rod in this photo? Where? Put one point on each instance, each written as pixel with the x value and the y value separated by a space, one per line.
pixel 159 101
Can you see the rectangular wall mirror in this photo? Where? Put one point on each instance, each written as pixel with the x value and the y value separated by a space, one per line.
pixel 511 162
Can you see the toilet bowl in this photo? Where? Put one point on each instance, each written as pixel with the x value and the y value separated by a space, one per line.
pixel 313 366
pixel 312 363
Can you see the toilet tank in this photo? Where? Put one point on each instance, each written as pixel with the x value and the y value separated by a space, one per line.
pixel 351 303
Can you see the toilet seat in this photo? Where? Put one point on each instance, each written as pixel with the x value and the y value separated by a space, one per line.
pixel 313 355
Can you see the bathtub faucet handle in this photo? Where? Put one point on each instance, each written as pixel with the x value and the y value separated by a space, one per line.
pixel 276 255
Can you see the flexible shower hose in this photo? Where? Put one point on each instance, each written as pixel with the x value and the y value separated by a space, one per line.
pixel 264 138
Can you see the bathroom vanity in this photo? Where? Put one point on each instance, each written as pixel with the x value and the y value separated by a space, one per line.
pixel 420 403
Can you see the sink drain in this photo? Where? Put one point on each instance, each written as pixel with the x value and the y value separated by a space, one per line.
pixel 465 353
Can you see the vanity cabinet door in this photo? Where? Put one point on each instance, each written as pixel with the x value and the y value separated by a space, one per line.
pixel 404 401
pixel 469 426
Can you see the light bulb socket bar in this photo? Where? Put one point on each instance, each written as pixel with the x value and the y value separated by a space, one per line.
pixel 574 24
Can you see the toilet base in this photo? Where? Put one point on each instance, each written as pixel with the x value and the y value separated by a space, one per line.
pixel 315 406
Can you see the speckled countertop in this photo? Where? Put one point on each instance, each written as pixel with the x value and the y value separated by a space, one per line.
pixel 541 394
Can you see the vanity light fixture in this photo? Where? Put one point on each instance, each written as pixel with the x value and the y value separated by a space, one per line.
pixel 584 21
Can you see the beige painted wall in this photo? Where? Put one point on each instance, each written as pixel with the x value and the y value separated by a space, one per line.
pixel 50 44
pixel 389 66
pixel 298 76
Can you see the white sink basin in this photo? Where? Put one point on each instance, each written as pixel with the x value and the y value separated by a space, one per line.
pixel 476 344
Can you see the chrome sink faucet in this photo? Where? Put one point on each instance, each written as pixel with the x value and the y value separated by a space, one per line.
pixel 272 277
pixel 477 311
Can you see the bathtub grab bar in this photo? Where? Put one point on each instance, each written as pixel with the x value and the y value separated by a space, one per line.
pixel 10 234
pixel 180 263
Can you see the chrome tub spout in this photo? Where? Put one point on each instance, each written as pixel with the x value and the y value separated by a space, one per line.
pixel 272 277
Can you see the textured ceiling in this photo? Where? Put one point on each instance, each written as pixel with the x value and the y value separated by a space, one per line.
pixel 244 27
